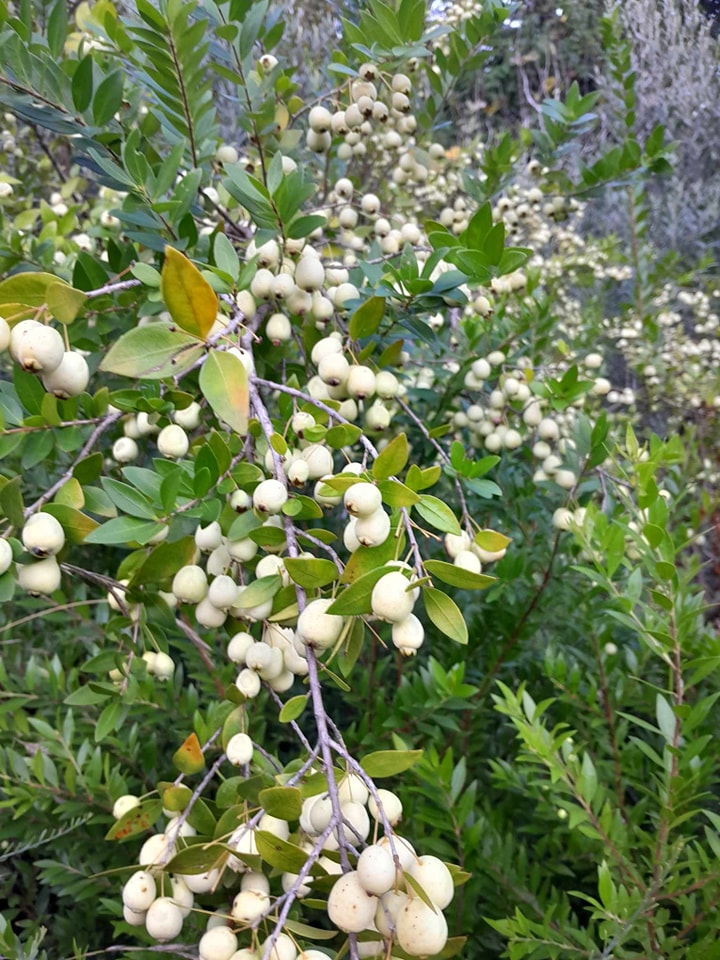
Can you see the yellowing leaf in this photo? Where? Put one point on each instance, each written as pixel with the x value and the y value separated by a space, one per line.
pixel 223 381
pixel 189 298
pixel 188 758
pixel 64 302
pixel 27 288
pixel 491 540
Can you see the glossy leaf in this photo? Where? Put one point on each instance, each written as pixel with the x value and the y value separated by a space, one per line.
pixel 223 381
pixel 445 614
pixel 189 298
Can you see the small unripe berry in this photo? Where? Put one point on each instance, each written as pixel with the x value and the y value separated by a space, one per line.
pixel 317 628
pixel 435 879
pixel 239 749
pixel 376 870
pixel 391 804
pixel 309 274
pixel 41 577
pixel 360 382
pixel 421 931
pixel 349 906
pixel 189 417
pixel 278 328
pixel 248 683
pixel 70 378
pixel 6 555
pixel 219 943
pixel 124 804
pixel 190 584
pixel 43 535
pixel 139 891
pixel 370 204
pixel 391 599
pixel 270 496
pixel 320 119
pixel 208 538
pixel 222 592
pixel 408 634
pixel 362 499
pixel 333 369
pixel 373 529
pixel 36 347
pixel 124 450
pixel 172 442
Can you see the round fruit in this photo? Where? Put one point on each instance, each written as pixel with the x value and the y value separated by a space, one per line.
pixel 390 599
pixel 270 496
pixel 189 417
pixel 408 634
pixel 42 577
pixel 349 906
pixel 376 870
pixel 208 538
pixel 249 905
pixel 391 804
pixel 182 895
pixel 362 499
pixel 43 535
pixel 139 891
pixel 172 442
pixel 421 931
pixel 6 555
pixel 435 879
pixel 124 450
pixel 190 584
pixel 317 628
pixel 372 530
pixel 70 378
pixel 164 919
pixel 35 347
pixel 223 592
pixel 239 749
pixel 4 334
pixel 124 804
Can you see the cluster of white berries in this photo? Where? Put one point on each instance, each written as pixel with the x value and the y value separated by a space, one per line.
pixel 39 348
pixel 43 538
pixel 390 893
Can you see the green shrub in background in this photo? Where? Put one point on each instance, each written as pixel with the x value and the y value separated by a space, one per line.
pixel 351 604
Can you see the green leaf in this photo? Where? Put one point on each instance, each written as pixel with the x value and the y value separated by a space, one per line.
pixel 437 514
pixel 26 288
pixel 64 302
pixel 197 858
pixel 226 258
pixel 108 98
pixel 82 84
pixel 282 802
pixel 223 381
pixel 311 574
pixel 124 530
pixel 135 821
pixel 388 763
pixel 396 494
pixel 666 719
pixel 11 503
pixel 77 525
pixel 445 614
pixel 128 499
pixel 458 577
pixel 367 318
pixel 392 459
pixel 259 591
pixel 293 708
pixel 164 561
pixel 366 559
pixel 279 853
pixel 152 352
pixel 303 226
pixel 491 541
pixel 189 298
pixel 356 599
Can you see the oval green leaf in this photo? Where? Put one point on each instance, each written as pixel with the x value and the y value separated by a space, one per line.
pixel 445 614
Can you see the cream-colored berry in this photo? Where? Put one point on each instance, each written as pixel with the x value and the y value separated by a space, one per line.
pixel 43 535
pixel 391 599
pixel 164 919
pixel 316 627
pixel 36 347
pixel 173 442
pixel 350 907
pixel 69 378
